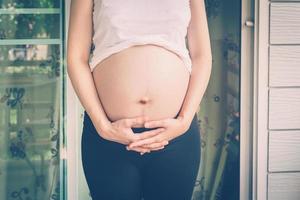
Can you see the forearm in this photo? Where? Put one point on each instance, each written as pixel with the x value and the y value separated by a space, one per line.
pixel 199 79
pixel 83 84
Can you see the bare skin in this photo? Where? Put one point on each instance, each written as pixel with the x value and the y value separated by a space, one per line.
pixel 144 80
pixel 137 82
pixel 141 84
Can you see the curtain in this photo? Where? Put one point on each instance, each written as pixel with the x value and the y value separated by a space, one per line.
pixel 218 176
pixel 30 99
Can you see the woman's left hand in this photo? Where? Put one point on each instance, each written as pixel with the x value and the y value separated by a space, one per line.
pixel 173 127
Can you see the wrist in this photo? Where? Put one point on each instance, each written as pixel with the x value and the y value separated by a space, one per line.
pixel 103 127
pixel 185 120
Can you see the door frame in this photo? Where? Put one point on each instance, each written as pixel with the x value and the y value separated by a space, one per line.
pixel 246 100
pixel 74 120
pixel 260 97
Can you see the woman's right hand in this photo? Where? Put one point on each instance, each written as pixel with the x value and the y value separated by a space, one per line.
pixel 120 131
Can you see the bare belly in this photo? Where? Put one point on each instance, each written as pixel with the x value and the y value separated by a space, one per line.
pixel 141 80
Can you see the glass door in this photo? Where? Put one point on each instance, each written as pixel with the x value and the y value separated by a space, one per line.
pixel 31 100
pixel 219 115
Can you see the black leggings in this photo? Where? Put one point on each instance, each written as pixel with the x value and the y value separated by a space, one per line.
pixel 114 173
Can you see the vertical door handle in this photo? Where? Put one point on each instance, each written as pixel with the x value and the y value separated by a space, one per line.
pixel 249 23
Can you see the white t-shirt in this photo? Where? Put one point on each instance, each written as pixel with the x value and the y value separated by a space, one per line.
pixel 119 24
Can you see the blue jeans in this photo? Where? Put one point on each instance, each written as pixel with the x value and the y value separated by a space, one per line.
pixel 114 173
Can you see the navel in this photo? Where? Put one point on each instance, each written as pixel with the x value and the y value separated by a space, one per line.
pixel 144 100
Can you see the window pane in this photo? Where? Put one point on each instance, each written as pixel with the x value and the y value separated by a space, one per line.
pixel 29 61
pixel 29 3
pixel 29 26
pixel 31 100
pixel 30 92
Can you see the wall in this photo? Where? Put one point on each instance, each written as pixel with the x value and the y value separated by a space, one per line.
pixel 278 100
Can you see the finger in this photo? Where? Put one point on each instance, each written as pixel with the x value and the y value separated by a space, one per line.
pixel 148 134
pixel 150 140
pixel 155 149
pixel 154 123
pixel 156 145
pixel 137 125
pixel 136 121
pixel 139 149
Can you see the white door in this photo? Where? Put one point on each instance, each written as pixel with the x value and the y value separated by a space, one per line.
pixel 277 101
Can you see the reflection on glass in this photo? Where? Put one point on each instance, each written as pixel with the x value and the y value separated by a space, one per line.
pixel 30 103
pixel 29 109
pixel 29 60
pixel 29 26
pixel 29 3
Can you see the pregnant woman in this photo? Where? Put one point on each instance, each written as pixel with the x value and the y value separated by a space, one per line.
pixel 140 88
